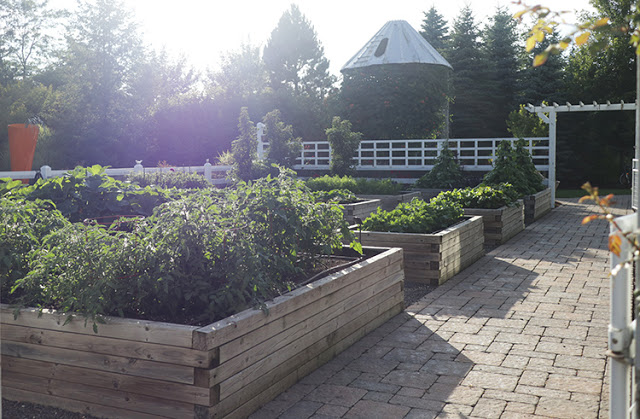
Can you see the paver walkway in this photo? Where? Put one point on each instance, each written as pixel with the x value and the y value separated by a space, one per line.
pixel 519 334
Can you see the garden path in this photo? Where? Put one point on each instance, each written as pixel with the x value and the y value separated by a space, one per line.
pixel 519 334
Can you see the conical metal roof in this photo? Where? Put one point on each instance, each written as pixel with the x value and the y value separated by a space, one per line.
pixel 396 43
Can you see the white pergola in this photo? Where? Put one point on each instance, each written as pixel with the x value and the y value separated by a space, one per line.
pixel 548 113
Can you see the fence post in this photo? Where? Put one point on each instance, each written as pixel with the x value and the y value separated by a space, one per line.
pixel 207 171
pixel 138 167
pixel 45 172
pixel 260 150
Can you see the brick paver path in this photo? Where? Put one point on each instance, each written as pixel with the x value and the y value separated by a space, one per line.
pixel 519 334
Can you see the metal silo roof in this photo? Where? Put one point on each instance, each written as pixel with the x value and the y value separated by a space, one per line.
pixel 396 43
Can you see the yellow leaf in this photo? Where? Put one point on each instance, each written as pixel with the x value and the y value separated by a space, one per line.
pixel 563 45
pixel 589 218
pixel 601 22
pixel 540 59
pixel 540 36
pixel 519 14
pixel 584 198
pixel 582 38
pixel 615 242
pixel 531 43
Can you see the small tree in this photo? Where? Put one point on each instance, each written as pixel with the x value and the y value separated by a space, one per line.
pixel 344 144
pixel 244 147
pixel 446 173
pixel 284 148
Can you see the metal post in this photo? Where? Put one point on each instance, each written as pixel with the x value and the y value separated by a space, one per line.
pixel 207 171
pixel 552 156
pixel 45 172
pixel 619 333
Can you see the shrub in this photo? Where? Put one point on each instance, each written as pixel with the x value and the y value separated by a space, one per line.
pixel 284 148
pixel 244 148
pixel 358 186
pixel 89 193
pixel 416 216
pixel 446 173
pixel 482 196
pixel 196 259
pixel 509 167
pixel 180 180
pixel 344 144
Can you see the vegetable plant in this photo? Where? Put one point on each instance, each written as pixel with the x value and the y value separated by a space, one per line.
pixel 446 173
pixel 180 180
pixel 416 216
pixel 358 186
pixel 482 196
pixel 514 167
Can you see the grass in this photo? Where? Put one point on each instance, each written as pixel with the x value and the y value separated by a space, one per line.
pixel 579 193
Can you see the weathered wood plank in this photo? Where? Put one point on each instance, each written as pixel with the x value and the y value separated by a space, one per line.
pixel 289 336
pixel 115 327
pixel 227 405
pixel 216 334
pixel 98 395
pixel 252 372
pixel 109 346
pixel 124 365
pixel 291 322
pixel 93 409
pixel 127 383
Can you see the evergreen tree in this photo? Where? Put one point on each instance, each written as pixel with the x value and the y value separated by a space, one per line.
pixel 471 81
pixel 500 46
pixel 546 82
pixel 295 58
pixel 435 30
pixel 299 75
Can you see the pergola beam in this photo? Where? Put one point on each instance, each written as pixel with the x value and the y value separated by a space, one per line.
pixel 581 107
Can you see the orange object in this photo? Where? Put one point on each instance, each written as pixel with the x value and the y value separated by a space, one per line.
pixel 22 146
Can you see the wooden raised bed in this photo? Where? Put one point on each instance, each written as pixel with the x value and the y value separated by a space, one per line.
pixel 537 205
pixel 434 258
pixel 389 202
pixel 500 224
pixel 360 209
pixel 145 369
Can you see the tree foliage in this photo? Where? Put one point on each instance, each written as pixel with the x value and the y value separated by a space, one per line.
pixel 435 30
pixel 344 144
pixel 244 147
pixel 284 148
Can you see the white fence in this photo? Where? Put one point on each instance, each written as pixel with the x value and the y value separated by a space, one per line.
pixel 207 170
pixel 474 154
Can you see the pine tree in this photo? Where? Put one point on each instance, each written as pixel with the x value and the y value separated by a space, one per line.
pixel 435 30
pixel 500 40
pixel 470 78
pixel 546 82
pixel 295 58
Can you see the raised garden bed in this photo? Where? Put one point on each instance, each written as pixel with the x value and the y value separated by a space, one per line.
pixel 389 202
pixel 434 258
pixel 500 224
pixel 144 369
pixel 360 209
pixel 537 205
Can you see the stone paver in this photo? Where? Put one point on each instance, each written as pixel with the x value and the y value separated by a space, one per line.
pixel 520 334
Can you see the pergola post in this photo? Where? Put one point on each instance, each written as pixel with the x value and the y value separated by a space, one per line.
pixel 552 156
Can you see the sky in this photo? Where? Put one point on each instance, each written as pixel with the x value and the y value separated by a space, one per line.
pixel 202 30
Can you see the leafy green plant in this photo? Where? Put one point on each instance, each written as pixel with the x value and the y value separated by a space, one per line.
pixel 446 173
pixel 525 163
pixel 416 216
pixel 482 196
pixel 89 193
pixel 180 180
pixel 195 260
pixel 284 148
pixel 243 148
pixel 511 166
pixel 522 123
pixel 344 144
pixel 339 196
pixel 358 186
pixel 23 225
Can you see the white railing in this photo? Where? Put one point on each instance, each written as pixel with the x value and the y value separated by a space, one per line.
pixel 207 170
pixel 474 154
pixel 635 182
